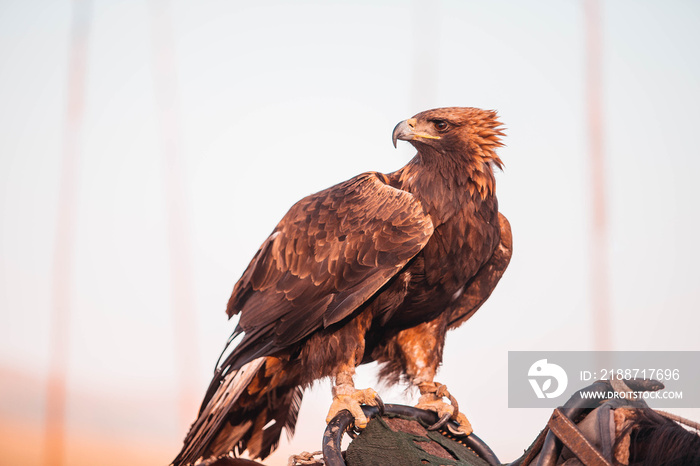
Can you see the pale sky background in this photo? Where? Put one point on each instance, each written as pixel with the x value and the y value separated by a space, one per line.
pixel 277 100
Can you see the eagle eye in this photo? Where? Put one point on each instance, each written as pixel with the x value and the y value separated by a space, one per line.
pixel 440 125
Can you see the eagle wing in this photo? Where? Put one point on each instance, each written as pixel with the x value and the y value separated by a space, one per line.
pixel 330 253
pixel 480 287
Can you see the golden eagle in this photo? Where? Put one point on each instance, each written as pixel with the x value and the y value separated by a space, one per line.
pixel 376 268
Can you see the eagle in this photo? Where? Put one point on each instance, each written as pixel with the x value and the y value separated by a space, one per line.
pixel 376 268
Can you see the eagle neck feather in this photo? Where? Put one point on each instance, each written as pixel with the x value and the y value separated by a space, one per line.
pixel 444 183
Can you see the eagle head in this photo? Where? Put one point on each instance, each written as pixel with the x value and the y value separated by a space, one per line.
pixel 462 131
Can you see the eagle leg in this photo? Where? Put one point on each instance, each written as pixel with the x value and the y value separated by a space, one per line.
pixel 432 394
pixel 420 348
pixel 346 396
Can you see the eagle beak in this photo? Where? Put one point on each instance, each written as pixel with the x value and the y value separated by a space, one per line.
pixel 406 132
pixel 403 131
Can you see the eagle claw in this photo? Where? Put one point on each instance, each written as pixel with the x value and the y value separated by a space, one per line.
pixel 380 403
pixel 443 420
pixel 431 400
pixel 351 399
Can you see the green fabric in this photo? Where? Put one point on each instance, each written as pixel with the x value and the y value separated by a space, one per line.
pixel 380 445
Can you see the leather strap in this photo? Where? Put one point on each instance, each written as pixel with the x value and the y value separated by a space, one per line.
pixel 574 440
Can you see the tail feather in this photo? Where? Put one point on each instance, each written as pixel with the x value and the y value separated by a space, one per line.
pixel 264 436
pixel 246 411
pixel 213 414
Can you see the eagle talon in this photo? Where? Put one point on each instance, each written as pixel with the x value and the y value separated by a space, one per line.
pixel 443 420
pixel 380 404
pixel 456 430
pixel 351 399
pixel 431 400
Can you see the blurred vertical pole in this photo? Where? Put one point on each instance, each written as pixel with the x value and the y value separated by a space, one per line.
pixel 182 294
pixel 59 343
pixel 600 299
pixel 426 35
